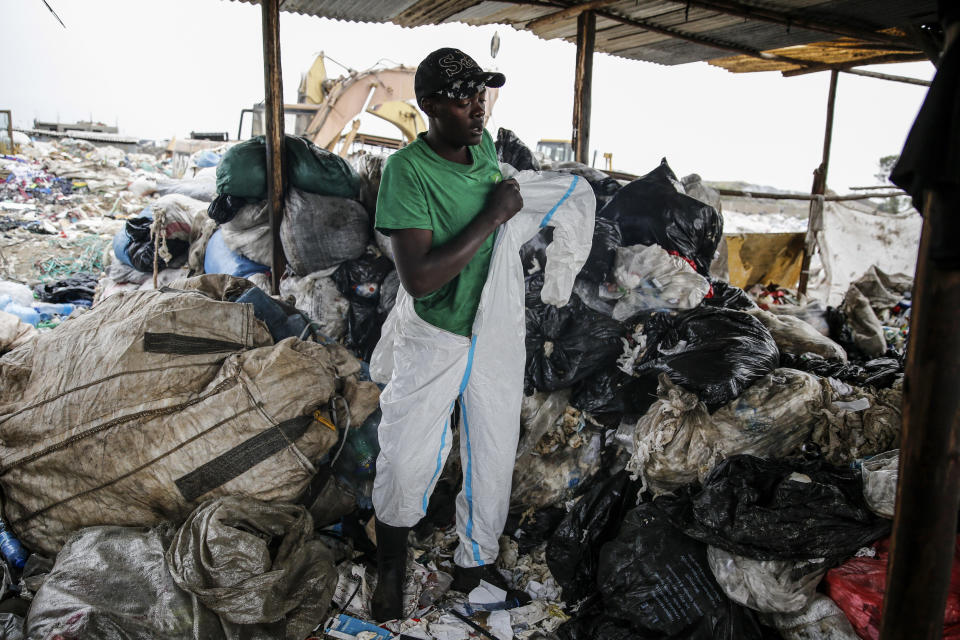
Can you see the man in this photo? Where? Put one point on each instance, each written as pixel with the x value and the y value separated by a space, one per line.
pixel 441 200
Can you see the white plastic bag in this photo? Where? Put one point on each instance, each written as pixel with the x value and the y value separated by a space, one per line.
pixel 652 279
pixel 773 586
pixel 880 475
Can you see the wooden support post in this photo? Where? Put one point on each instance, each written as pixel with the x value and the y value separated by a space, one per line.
pixel 273 114
pixel 928 490
pixel 815 219
pixel 582 83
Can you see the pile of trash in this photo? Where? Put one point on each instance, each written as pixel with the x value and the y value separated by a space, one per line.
pixel 60 205
pixel 696 461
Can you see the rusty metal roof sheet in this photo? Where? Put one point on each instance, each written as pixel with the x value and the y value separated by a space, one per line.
pixel 728 33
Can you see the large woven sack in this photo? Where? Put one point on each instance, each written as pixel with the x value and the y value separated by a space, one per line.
pixel 248 233
pixel 319 232
pixel 154 401
pixel 243 170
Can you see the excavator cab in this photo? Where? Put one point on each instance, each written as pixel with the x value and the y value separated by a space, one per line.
pixel 555 151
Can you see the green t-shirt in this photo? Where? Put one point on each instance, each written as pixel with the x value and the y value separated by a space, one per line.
pixel 421 190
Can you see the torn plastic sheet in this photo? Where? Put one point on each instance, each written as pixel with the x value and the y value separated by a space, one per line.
pixel 848 432
pixel 822 619
pixel 774 586
pixel 880 475
pixel 678 442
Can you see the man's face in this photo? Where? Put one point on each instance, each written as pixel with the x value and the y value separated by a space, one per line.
pixel 458 122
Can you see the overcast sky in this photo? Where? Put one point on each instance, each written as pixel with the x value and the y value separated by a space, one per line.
pixel 165 68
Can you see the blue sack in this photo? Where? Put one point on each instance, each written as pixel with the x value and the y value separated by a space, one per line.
pixel 220 259
pixel 121 241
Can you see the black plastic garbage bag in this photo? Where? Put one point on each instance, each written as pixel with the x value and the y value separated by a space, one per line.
pixel 79 287
pixel 530 530
pixel 652 210
pixel 566 344
pixel 604 190
pixel 595 625
pixel 779 510
pixel 360 282
pixel 879 373
pixel 574 549
pixel 140 250
pixel 533 252
pixel 612 394
pixel 512 151
pixel 603 251
pixel 604 187
pixel 728 296
pixel 660 581
pixel 713 352
pixel 841 332
pixel 224 207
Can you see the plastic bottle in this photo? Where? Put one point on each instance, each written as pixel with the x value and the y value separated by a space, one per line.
pixel 11 548
pixel 366 289
pixel 27 314
pixel 364 455
pixel 49 309
pixel 366 447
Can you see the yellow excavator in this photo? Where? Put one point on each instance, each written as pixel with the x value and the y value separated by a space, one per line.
pixel 326 108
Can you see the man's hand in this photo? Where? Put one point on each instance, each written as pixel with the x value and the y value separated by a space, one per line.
pixel 504 201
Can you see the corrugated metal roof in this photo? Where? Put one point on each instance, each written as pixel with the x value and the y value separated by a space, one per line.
pixel 351 10
pixel 725 32
pixel 844 51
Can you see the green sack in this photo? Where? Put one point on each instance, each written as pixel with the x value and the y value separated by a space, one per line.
pixel 243 170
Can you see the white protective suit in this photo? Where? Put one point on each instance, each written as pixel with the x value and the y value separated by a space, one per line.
pixel 428 369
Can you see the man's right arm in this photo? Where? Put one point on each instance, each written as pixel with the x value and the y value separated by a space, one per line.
pixel 423 269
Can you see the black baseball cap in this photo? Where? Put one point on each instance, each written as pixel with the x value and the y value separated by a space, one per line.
pixel 453 74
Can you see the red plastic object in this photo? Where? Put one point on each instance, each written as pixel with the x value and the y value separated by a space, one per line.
pixel 857 586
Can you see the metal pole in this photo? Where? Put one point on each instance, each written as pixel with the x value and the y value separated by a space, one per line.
pixel 928 490
pixel 582 84
pixel 815 218
pixel 273 112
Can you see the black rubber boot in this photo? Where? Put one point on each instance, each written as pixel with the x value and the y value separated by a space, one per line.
pixel 387 603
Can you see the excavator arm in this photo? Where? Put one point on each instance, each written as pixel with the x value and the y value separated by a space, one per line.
pixel 385 93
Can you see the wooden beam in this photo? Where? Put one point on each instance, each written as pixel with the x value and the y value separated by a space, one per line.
pixel 893 57
pixel 273 113
pixel 815 218
pixel 764 14
pixel 582 86
pixel 567 13
pixel 741 193
pixel 887 76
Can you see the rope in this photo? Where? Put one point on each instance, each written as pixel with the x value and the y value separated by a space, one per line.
pixel 336 420
pixel 158 231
